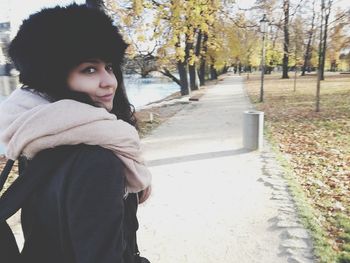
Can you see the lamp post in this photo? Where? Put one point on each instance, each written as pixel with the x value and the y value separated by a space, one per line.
pixel 263 29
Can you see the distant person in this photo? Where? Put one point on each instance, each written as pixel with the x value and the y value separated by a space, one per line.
pixel 72 127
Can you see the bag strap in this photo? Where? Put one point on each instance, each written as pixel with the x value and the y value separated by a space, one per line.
pixel 5 173
pixel 8 243
pixel 40 169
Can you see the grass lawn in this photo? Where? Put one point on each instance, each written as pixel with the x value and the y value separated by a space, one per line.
pixel 316 148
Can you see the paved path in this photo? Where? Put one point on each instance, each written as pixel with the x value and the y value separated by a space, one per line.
pixel 213 201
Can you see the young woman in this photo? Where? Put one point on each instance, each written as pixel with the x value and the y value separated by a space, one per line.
pixel 72 127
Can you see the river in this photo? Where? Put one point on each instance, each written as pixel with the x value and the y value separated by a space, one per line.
pixel 141 91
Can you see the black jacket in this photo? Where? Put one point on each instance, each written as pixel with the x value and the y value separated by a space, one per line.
pixel 78 212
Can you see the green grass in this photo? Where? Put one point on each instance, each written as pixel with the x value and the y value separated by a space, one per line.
pixel 314 149
pixel 307 213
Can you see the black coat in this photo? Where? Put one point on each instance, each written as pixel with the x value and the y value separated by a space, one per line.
pixel 78 212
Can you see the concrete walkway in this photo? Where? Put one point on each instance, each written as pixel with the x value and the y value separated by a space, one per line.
pixel 213 201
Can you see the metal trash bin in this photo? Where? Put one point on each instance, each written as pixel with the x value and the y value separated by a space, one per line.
pixel 253 130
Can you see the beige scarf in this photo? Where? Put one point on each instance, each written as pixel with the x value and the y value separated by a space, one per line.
pixel 29 123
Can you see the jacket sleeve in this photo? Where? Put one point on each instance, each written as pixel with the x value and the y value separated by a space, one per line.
pixel 95 207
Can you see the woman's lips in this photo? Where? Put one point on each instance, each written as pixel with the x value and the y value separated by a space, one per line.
pixel 106 97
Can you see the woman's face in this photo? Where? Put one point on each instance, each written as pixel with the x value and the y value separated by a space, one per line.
pixel 96 79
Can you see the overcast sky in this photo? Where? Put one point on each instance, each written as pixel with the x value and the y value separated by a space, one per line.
pixel 17 10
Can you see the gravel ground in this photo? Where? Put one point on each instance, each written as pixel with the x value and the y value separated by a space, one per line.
pixel 212 200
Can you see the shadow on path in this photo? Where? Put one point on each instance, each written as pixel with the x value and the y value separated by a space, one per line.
pixel 196 157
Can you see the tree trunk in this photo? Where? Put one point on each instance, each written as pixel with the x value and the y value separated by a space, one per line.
pixel 286 39
pixel 307 56
pixel 318 90
pixel 295 78
pixel 182 68
pixel 320 53
pixel 193 77
pixel 191 68
pixel 203 60
pixel 201 72
pixel 333 65
pixel 213 73
pixel 168 74
pixel 324 49
pixel 225 69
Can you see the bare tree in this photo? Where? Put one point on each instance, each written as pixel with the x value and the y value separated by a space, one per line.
pixel 327 12
pixel 286 39
pixel 307 56
pixel 320 54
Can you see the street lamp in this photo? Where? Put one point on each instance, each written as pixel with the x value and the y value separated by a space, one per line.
pixel 264 23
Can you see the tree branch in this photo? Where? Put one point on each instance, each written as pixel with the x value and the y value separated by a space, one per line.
pixel 168 74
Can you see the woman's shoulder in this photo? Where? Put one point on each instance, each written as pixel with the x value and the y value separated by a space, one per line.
pixel 75 157
pixel 92 168
pixel 76 151
pixel 92 151
pixel 83 167
pixel 96 155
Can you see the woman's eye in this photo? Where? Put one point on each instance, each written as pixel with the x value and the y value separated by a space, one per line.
pixel 89 70
pixel 109 68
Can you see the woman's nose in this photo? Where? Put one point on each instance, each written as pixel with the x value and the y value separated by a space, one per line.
pixel 107 79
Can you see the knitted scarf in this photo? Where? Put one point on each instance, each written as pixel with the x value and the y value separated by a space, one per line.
pixel 30 123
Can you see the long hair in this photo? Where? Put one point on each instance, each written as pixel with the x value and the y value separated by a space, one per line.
pixel 53 41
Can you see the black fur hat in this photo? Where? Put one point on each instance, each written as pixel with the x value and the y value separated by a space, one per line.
pixel 49 43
